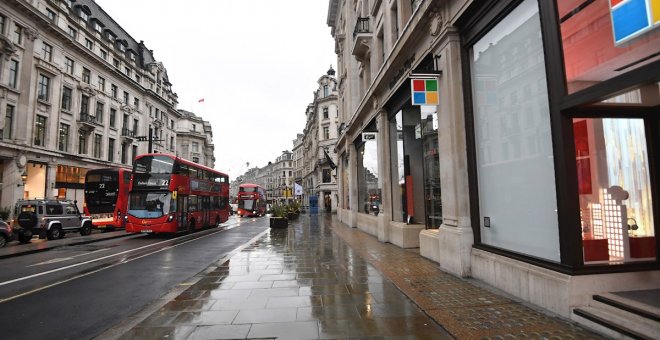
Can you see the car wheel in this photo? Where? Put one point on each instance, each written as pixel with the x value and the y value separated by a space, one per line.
pixel 86 229
pixel 55 233
pixel 25 236
pixel 3 240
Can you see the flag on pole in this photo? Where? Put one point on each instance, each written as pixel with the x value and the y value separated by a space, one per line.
pixel 298 189
pixel 201 100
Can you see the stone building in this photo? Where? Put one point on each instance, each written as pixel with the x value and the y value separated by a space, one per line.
pixel 318 143
pixel 510 141
pixel 194 139
pixel 76 92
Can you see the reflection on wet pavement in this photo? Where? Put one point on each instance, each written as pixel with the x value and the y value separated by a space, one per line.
pixel 303 282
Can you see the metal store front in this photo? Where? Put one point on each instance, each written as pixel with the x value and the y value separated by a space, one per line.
pixel 562 103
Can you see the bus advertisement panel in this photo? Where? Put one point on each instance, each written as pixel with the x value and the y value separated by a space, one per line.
pixel 251 200
pixel 170 195
pixel 106 197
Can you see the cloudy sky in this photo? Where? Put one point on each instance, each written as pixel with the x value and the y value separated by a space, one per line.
pixel 254 62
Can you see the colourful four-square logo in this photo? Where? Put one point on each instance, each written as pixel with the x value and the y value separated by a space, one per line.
pixel 630 18
pixel 425 92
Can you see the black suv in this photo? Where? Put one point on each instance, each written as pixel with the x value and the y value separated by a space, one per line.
pixel 51 218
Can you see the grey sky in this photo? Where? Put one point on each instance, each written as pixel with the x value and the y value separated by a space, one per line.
pixel 255 63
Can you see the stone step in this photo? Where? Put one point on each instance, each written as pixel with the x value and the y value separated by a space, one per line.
pixel 617 323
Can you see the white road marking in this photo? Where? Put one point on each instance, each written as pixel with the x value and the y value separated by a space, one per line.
pixel 100 269
pixel 62 259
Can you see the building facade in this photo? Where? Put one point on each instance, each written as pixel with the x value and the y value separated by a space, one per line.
pixel 76 92
pixel 318 144
pixel 537 160
pixel 194 139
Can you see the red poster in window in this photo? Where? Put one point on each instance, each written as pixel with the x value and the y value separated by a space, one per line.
pixel 581 137
pixel 584 176
pixel 582 162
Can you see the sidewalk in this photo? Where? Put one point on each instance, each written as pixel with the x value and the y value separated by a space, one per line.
pixel 319 279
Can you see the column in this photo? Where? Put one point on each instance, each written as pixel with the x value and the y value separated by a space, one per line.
pixel 25 110
pixel 384 172
pixel 456 236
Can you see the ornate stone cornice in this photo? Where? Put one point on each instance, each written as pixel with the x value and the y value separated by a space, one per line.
pixel 31 34
pixel 7 47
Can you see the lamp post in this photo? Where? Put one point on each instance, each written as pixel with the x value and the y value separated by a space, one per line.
pixel 23 179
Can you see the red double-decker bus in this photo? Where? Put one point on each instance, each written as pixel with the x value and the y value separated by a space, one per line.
pixel 170 195
pixel 251 200
pixel 106 196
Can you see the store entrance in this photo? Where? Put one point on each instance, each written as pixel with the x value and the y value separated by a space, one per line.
pixel 415 166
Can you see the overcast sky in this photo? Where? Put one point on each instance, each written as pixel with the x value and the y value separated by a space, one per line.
pixel 254 62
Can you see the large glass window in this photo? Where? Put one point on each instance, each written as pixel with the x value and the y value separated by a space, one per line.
pixel 97 145
pixel 82 142
pixel 414 141
pixel 63 140
pixel 150 204
pixel 514 155
pixel 9 122
pixel 603 39
pixel 13 73
pixel 615 190
pixel 68 65
pixel 66 98
pixel 43 88
pixel 40 131
pixel 369 181
pixel 111 149
pixel 154 165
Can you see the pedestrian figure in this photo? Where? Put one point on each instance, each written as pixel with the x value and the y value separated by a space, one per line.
pixel 328 204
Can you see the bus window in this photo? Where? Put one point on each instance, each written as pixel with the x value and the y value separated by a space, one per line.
pixel 154 165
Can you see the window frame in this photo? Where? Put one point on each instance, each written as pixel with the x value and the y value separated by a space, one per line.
pixel 43 87
pixel 476 22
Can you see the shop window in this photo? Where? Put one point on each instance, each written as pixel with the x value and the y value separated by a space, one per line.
pixel 603 39
pixel 614 184
pixel 514 161
pixel 369 181
pixel 327 178
pixel 414 140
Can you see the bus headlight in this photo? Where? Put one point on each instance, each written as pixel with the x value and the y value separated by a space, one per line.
pixel 118 215
pixel 170 218
pixel 126 218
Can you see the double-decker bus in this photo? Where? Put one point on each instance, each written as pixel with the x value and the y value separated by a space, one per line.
pixel 251 200
pixel 106 197
pixel 170 194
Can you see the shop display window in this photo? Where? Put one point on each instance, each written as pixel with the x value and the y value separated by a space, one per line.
pixel 604 39
pixel 414 141
pixel 369 181
pixel 514 152
pixel 614 185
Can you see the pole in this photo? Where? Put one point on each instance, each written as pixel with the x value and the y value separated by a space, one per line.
pixel 151 141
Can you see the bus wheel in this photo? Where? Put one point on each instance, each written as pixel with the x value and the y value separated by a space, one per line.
pixel 191 226
pixel 217 221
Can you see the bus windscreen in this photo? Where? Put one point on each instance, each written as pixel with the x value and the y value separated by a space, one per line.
pixel 101 192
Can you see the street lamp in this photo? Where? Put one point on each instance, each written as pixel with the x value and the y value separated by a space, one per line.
pixel 23 179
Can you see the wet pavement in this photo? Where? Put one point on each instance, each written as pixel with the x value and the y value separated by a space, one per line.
pixel 319 279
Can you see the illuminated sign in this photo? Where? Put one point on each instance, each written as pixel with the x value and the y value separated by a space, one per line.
pixel 631 18
pixel 425 91
pixel 367 136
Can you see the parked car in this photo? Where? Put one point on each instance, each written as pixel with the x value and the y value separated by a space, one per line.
pixel 6 233
pixel 51 218
pixel 9 233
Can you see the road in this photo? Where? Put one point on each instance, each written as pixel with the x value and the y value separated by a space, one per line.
pixel 77 292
